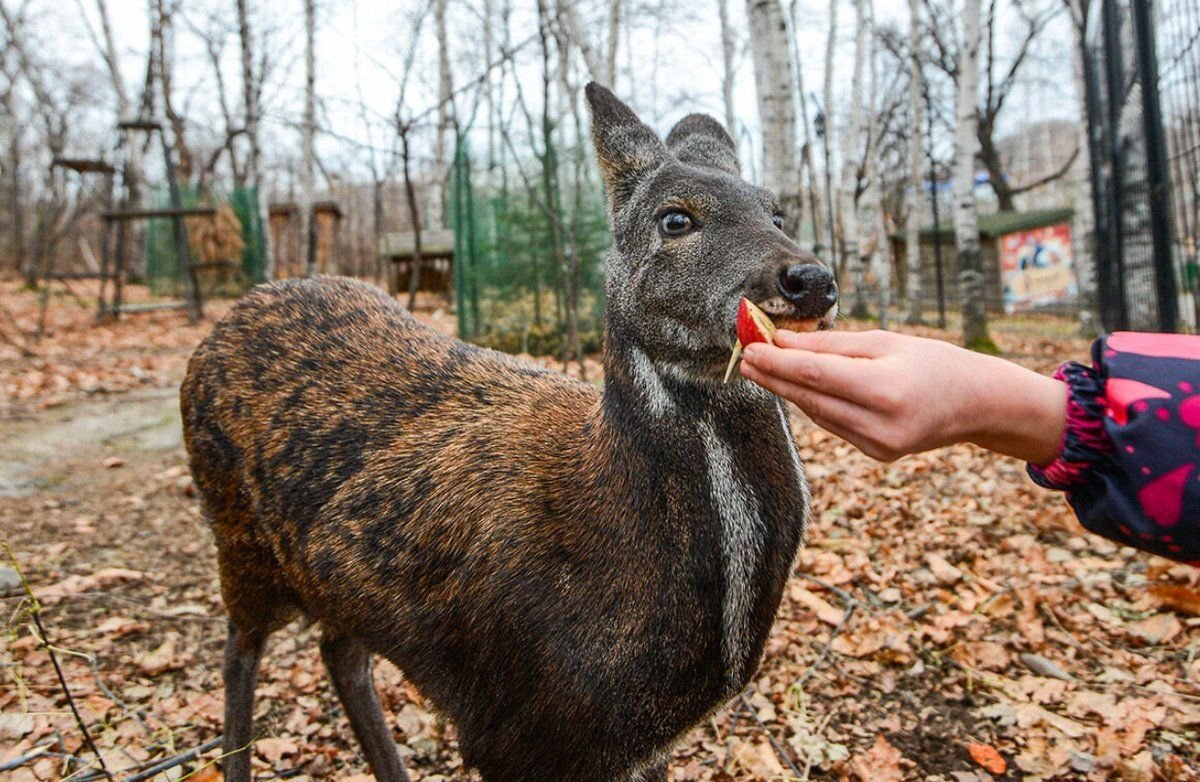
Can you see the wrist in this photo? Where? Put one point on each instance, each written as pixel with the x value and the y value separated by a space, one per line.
pixel 1021 413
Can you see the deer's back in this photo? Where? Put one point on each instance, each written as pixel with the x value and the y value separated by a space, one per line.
pixel 327 425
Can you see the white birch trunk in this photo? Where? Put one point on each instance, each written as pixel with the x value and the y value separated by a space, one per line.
pixel 435 213
pixel 966 222
pixel 728 51
pixel 776 104
pixel 851 250
pixel 916 176
pixel 830 136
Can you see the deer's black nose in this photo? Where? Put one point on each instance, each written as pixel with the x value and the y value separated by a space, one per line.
pixel 809 287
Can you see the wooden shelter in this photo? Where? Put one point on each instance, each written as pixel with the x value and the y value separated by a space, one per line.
pixel 285 237
pixel 399 249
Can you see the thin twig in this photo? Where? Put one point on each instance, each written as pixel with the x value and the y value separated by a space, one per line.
pixel 34 754
pixel 779 750
pixel 162 765
pixel 812 669
pixel 44 638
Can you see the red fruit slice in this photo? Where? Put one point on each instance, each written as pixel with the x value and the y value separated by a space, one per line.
pixel 753 325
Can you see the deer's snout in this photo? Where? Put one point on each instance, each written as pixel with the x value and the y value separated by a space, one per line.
pixel 809 287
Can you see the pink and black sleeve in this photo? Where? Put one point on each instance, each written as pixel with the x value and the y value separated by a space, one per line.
pixel 1130 459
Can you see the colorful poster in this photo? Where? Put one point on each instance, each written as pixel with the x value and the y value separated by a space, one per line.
pixel 1037 268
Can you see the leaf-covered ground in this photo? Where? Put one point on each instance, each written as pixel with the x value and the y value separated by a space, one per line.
pixel 948 620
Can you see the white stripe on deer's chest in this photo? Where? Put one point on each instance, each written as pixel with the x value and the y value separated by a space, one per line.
pixel 742 532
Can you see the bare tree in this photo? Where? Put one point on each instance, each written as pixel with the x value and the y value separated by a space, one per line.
pixel 829 130
pixel 728 73
pixel 1084 222
pixel 253 79
pixel 852 160
pixel 820 235
pixel 999 78
pixel 308 253
pixel 966 222
pixel 916 175
pixel 776 104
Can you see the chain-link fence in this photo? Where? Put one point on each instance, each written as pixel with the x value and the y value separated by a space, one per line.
pixel 529 254
pixel 1142 74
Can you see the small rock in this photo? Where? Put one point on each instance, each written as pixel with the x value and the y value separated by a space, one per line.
pixel 943 571
pixel 113 462
pixel 1055 554
pixel 1044 667
pixel 1082 762
pixel 10 582
pixel 890 595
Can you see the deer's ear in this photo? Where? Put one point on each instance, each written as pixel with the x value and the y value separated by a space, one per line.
pixel 626 149
pixel 702 141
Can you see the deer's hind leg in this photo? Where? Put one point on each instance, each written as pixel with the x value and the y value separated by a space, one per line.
pixel 258 602
pixel 349 664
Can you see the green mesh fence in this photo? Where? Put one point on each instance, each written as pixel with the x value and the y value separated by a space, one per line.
pixel 518 274
pixel 163 272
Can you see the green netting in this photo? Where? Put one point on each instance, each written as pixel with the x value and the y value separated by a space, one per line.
pixel 163 272
pixel 515 276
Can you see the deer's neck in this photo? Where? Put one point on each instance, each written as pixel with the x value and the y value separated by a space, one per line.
pixel 731 450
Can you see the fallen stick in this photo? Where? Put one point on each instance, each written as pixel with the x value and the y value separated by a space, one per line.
pixel 162 765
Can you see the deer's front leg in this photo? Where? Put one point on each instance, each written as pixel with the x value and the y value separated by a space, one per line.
pixel 349 664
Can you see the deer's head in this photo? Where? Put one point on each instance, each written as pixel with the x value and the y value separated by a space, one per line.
pixel 690 238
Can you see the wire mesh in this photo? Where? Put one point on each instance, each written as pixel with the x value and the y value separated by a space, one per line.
pixel 518 282
pixel 1142 72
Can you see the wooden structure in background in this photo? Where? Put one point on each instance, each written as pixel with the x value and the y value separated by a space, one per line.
pixel 399 249
pixel 285 237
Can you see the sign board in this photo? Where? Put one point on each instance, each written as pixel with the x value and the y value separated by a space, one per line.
pixel 1037 268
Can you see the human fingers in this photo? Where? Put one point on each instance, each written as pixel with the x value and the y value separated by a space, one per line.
pixel 854 424
pixel 833 374
pixel 862 344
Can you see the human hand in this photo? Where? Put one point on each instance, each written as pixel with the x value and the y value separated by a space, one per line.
pixel 891 395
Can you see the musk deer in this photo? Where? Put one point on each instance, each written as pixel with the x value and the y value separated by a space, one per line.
pixel 573 576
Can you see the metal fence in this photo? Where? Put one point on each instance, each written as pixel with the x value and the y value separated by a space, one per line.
pixel 1143 94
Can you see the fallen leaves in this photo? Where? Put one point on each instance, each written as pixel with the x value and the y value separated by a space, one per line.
pixel 987 757
pixel 985 621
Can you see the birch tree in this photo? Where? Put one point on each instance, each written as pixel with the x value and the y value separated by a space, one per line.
pixel 1084 225
pixel 916 177
pixel 966 222
pixel 728 51
pixel 775 88
pixel 851 160
pixel 827 102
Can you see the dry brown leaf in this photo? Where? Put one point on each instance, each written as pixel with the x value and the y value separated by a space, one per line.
pixel 880 764
pixel 1185 600
pixel 818 605
pixel 1156 629
pixel 274 749
pixel 987 757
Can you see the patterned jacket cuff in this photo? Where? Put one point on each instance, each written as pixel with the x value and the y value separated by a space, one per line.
pixel 1085 441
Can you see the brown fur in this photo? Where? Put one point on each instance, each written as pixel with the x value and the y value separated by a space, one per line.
pixel 546 562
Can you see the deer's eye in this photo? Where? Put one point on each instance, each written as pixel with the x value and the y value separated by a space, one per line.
pixel 675 223
pixel 777 220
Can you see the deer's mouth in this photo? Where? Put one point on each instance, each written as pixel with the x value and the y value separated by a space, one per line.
pixel 786 315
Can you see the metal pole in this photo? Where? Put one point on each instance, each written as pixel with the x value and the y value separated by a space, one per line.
pixel 1156 162
pixel 1116 314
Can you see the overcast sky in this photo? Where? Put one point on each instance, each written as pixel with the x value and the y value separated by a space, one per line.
pixel 361 45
